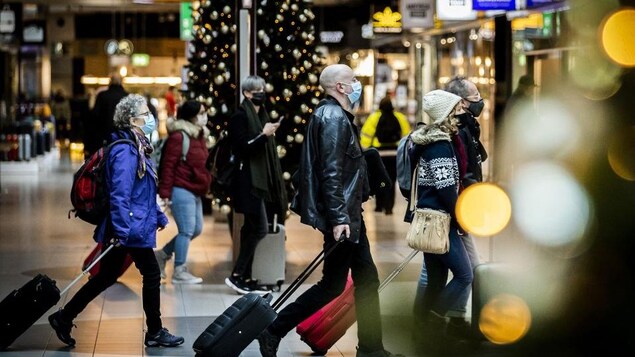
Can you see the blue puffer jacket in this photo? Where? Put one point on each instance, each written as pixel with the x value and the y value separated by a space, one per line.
pixel 134 212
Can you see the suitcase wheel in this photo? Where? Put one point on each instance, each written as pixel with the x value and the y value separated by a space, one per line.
pixel 317 352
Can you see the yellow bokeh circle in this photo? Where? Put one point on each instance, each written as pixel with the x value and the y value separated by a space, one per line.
pixel 621 153
pixel 617 37
pixel 483 209
pixel 505 319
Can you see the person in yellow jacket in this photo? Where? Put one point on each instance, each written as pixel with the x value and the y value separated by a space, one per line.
pixel 382 130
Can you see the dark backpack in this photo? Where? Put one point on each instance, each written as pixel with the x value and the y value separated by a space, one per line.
pixel 388 129
pixel 221 165
pixel 404 169
pixel 89 195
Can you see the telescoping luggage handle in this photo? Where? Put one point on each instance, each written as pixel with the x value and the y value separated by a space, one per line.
pixel 397 270
pixel 306 273
pixel 86 271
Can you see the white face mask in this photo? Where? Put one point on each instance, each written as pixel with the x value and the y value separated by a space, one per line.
pixel 201 119
pixel 356 94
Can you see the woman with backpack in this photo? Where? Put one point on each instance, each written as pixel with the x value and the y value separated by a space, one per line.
pixel 382 130
pixel 132 221
pixel 183 181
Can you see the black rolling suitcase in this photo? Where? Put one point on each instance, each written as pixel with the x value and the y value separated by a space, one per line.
pixel 241 323
pixel 24 306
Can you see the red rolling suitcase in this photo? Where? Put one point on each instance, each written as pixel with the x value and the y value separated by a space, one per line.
pixel 230 333
pixel 95 268
pixel 321 330
pixel 24 306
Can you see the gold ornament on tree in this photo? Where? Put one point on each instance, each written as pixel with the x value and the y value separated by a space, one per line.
pixel 282 151
pixel 299 138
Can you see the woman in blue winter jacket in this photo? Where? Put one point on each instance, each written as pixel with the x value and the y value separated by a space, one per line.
pixel 132 222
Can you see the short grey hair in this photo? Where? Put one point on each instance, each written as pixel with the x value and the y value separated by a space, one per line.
pixel 333 74
pixel 252 83
pixel 458 86
pixel 126 109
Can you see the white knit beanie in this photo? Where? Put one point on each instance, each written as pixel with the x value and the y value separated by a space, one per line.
pixel 438 104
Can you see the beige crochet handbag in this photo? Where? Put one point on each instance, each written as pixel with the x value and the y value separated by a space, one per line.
pixel 429 230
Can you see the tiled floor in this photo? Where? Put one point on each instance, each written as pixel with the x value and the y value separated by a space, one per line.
pixel 37 237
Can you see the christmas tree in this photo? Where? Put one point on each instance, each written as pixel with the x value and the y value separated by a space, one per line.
pixel 287 61
pixel 290 65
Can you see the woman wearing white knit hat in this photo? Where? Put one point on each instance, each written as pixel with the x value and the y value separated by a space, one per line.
pixel 438 180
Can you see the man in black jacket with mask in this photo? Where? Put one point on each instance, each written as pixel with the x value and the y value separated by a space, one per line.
pixel 331 187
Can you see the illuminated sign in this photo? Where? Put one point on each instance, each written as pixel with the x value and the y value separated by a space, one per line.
pixel 186 22
pixel 417 13
pixel 455 10
pixel 331 36
pixel 494 5
pixel 140 59
pixel 387 21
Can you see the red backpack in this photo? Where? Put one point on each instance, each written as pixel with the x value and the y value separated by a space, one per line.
pixel 89 195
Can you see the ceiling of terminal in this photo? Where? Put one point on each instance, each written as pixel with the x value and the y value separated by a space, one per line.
pixel 66 6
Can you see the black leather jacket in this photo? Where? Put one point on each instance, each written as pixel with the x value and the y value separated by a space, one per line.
pixel 332 181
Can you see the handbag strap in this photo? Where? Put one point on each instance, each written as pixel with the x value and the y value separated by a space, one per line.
pixel 413 189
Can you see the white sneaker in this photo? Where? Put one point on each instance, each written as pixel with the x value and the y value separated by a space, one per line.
pixel 162 259
pixel 182 276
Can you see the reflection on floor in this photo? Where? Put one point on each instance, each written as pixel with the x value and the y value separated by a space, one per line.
pixel 36 237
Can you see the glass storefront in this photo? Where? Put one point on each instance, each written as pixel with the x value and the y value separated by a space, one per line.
pixel 470 54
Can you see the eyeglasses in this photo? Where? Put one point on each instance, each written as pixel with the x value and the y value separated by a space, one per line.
pixel 146 114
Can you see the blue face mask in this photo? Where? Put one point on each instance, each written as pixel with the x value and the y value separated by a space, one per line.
pixel 150 124
pixel 356 93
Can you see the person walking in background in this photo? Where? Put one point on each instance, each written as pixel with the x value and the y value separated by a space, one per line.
pixel 182 183
pixel 382 130
pixel 101 126
pixel 257 184
pixel 331 186
pixel 170 102
pixel 522 99
pixel 61 110
pixel 438 179
pixel 133 220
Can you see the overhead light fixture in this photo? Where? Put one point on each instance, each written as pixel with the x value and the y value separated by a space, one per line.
pixel 143 2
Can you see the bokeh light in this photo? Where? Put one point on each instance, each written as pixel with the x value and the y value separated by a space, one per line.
pixel 505 319
pixel 598 77
pixel 483 209
pixel 547 133
pixel 550 207
pixel 621 154
pixel 617 37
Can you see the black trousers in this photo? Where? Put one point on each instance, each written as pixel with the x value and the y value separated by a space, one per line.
pixel 386 200
pixel 357 258
pixel 110 266
pixel 253 230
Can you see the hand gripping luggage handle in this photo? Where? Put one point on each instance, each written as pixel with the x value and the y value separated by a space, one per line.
pixel 85 272
pixel 306 273
pixel 397 270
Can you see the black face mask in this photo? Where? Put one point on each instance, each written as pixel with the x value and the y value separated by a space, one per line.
pixel 476 107
pixel 258 98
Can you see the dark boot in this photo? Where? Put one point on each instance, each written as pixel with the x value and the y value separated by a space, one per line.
pixel 62 328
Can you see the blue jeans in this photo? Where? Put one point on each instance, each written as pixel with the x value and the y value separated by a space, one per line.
pixel 187 210
pixel 432 291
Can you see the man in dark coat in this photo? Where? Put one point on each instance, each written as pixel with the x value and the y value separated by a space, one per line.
pixel 332 185
pixel 101 125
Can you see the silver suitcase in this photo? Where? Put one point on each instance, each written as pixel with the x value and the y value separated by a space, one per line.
pixel 270 258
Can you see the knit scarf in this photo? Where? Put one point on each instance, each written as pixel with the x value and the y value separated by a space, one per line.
pixel 428 134
pixel 266 174
pixel 145 149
